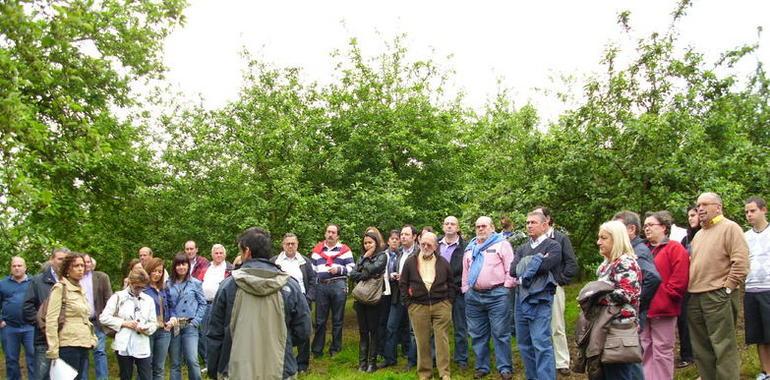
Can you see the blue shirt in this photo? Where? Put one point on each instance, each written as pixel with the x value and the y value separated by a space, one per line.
pixel 158 297
pixel 12 300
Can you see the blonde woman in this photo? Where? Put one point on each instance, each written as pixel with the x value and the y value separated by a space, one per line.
pixel 131 313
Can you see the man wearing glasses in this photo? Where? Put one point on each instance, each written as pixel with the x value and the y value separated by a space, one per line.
pixel 718 266
pixel 487 284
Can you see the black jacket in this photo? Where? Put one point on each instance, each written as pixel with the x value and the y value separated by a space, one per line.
pixel 456 261
pixel 309 277
pixel 369 267
pixel 296 313
pixel 395 291
pixel 550 263
pixel 37 293
pixel 568 267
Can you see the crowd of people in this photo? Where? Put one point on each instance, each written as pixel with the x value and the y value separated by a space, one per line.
pixel 412 290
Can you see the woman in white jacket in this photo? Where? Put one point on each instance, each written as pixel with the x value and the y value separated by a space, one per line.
pixel 131 313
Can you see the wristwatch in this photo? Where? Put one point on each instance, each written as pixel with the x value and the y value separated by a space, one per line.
pixel 728 290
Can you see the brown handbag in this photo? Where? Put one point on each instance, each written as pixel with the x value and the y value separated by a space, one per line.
pixel 369 291
pixel 622 345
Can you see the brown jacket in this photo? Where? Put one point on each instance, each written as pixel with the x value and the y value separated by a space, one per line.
pixel 413 288
pixel 102 293
pixel 77 330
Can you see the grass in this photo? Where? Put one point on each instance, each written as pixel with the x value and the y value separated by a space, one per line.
pixel 344 365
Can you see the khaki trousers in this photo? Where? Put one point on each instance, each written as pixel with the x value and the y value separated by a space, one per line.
pixel 435 319
pixel 558 330
pixel 711 317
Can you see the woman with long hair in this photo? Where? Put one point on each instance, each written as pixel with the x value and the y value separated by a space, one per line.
pixel 187 305
pixel 160 340
pixel 371 265
pixel 72 340
pixel 131 313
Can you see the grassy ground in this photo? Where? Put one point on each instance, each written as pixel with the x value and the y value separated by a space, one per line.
pixel 344 365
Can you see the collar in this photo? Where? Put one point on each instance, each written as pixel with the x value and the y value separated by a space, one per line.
pixel 714 221
pixel 550 232
pixel 539 240
pixel 23 280
pixel 297 257
pixel 326 246
pixel 445 242
pixel 404 250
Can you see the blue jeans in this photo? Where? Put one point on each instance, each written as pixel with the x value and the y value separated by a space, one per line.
pixel 42 363
pixel 460 330
pixel 396 316
pixel 622 371
pixel 12 339
pixel 159 342
pixel 329 297
pixel 100 358
pixel 186 343
pixel 533 334
pixel 489 314
pixel 202 329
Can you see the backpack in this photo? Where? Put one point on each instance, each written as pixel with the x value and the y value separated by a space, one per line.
pixel 43 311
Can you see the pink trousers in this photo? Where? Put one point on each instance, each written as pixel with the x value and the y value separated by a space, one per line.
pixel 658 338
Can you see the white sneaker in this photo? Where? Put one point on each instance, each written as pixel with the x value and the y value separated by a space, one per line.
pixel 763 376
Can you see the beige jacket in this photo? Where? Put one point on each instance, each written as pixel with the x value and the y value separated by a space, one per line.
pixel 77 330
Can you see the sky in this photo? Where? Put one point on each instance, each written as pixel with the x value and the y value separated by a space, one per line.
pixel 516 45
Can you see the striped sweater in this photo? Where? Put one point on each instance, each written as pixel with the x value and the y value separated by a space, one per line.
pixel 340 257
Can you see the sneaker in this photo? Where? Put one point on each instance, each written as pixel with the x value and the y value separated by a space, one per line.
pixel 204 370
pixel 683 363
pixel 763 376
pixel 506 376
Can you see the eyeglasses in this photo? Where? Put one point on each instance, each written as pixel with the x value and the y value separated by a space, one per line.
pixel 649 225
pixel 704 204
pixel 480 226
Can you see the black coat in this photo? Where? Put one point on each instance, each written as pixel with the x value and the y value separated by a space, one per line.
pixel 456 262
pixel 568 267
pixel 309 277
pixel 37 293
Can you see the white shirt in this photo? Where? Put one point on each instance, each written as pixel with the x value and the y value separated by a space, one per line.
pixel 291 266
pixel 212 278
pixel 536 242
pixel 142 309
pixel 404 255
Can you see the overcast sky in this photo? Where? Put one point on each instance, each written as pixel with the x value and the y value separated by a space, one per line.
pixel 522 43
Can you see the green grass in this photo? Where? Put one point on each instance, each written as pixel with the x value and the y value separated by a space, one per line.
pixel 344 365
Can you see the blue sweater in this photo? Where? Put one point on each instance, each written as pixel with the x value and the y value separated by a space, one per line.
pixel 12 301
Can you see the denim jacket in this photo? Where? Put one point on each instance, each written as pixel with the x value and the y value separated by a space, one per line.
pixel 186 300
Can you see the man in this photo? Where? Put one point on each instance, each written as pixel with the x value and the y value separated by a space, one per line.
pixel 536 266
pixel 214 275
pixel 566 271
pixel 398 318
pixel 146 253
pixel 486 283
pixel 198 264
pixel 756 301
pixel 451 248
pixel 300 268
pixel 98 290
pixel 650 276
pixel 15 332
pixel 718 266
pixel 37 293
pixel 256 316
pixel 332 262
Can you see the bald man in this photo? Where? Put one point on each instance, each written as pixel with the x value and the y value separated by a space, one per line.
pixel 451 248
pixel 14 330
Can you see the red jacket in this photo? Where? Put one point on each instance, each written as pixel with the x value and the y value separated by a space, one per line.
pixel 673 264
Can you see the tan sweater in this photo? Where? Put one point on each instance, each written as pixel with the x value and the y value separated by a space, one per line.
pixel 427 270
pixel 720 257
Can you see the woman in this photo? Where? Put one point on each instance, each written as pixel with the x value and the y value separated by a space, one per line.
pixel 76 337
pixel 376 231
pixel 429 288
pixel 159 340
pixel 673 265
pixel 133 264
pixel 187 305
pixel 620 269
pixel 131 313
pixel 372 264
pixel 685 347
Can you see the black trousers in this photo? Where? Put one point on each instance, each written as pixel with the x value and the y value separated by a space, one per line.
pixel 127 363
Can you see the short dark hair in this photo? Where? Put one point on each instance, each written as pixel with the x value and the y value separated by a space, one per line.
pixel 394 232
pixel 629 218
pixel 332 224
pixel 411 227
pixel 59 249
pixel 663 217
pixel 257 241
pixel 179 259
pixel 69 260
pixel 758 201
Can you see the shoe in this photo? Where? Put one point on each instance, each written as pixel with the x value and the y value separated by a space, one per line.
pixel 564 371
pixel 763 376
pixel 204 370
pixel 362 367
pixel 683 364
pixel 506 376
pixel 479 374
pixel 462 366
pixel 371 368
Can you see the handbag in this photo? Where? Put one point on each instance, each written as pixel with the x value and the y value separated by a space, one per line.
pixel 368 291
pixel 622 345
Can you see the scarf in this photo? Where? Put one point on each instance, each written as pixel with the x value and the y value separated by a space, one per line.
pixel 477 257
pixel 319 249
